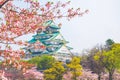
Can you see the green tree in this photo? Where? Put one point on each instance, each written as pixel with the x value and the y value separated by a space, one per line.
pixel 109 43
pixel 95 65
pixel 111 59
pixel 55 72
pixel 34 60
pixel 75 67
pixel 45 62
pixel 42 62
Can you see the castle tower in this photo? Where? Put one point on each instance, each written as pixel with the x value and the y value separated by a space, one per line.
pixel 49 41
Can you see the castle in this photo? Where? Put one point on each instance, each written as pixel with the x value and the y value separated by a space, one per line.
pixel 49 41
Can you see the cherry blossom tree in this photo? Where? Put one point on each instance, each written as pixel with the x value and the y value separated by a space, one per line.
pixel 18 21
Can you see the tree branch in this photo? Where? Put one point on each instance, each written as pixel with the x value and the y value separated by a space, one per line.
pixel 5 42
pixel 43 15
pixel 4 3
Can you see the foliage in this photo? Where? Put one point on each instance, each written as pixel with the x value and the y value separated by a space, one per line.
pixel 14 74
pixel 42 62
pixel 45 62
pixel 75 67
pixel 67 61
pixel 18 21
pixel 34 60
pixel 55 72
pixel 111 59
pixel 95 65
pixel 33 74
pixel 109 42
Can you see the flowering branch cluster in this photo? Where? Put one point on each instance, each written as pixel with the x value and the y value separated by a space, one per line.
pixel 19 21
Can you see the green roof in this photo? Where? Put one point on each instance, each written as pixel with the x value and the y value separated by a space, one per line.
pixel 51 24
pixel 43 36
pixel 54 27
pixel 32 41
pixel 69 47
pixel 47 23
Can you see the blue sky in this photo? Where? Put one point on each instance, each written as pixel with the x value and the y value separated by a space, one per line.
pixel 101 23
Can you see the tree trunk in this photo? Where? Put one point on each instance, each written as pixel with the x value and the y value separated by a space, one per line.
pixel 99 76
pixel 59 77
pixel 74 75
pixel 110 75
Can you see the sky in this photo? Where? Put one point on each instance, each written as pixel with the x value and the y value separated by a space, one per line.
pixel 100 24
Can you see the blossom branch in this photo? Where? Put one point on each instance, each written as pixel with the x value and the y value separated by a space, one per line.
pixel 4 3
